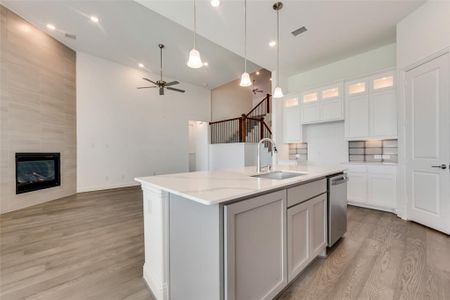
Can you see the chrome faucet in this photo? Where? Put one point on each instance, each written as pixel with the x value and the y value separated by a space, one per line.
pixel 258 161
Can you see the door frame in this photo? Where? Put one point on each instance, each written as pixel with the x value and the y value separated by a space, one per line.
pixel 402 193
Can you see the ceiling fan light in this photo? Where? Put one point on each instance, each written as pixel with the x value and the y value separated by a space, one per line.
pixel 277 93
pixel 245 80
pixel 195 60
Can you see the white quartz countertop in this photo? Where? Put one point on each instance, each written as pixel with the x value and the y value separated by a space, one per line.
pixel 214 187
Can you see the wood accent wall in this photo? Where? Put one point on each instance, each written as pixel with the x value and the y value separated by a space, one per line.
pixel 37 107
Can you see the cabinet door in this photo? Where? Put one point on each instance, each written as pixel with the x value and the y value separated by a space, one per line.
pixel 318 229
pixel 310 113
pixel 292 128
pixel 357 187
pixel 382 190
pixel 331 103
pixel 306 233
pixel 298 246
pixel 357 116
pixel 383 114
pixel 255 247
pixel 331 110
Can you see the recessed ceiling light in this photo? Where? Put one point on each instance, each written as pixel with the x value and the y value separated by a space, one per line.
pixel 272 43
pixel 205 63
pixel 215 3
pixel 257 72
pixel 51 26
pixel 94 19
pixel 141 65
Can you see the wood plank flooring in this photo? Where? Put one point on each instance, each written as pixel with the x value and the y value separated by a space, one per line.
pixel 90 246
pixel 87 246
pixel 381 257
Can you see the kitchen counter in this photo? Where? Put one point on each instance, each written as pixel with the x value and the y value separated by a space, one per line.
pixel 192 215
pixel 215 187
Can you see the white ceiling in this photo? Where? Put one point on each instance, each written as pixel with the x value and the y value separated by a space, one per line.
pixel 336 29
pixel 129 33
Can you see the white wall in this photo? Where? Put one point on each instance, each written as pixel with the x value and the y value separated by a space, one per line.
pixel 199 145
pixel 361 64
pixel 236 155
pixel 122 132
pixel 230 101
pixel 326 143
pixel 226 156
pixel 423 32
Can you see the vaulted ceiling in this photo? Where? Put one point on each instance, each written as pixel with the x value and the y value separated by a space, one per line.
pixel 336 29
pixel 129 33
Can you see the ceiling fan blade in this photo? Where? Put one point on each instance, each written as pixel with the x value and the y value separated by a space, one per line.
pixel 161 91
pixel 146 87
pixel 174 89
pixel 149 80
pixel 172 83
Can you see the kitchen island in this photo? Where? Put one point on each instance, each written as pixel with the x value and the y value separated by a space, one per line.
pixel 230 235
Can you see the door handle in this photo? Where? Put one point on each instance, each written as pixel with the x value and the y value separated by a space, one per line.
pixel 443 166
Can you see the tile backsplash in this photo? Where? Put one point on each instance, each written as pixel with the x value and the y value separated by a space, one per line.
pixel 298 151
pixel 373 151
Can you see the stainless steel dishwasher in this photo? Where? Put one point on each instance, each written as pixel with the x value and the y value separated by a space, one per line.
pixel 337 207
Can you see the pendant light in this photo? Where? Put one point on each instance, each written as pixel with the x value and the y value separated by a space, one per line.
pixel 195 60
pixel 278 93
pixel 245 78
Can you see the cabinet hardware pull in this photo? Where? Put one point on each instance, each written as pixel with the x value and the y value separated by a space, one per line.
pixel 443 166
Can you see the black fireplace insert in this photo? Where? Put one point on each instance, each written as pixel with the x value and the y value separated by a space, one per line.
pixel 36 171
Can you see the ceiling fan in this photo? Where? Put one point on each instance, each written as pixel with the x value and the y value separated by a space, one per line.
pixel 256 89
pixel 161 84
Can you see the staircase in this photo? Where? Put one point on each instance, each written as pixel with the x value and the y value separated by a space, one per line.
pixel 248 128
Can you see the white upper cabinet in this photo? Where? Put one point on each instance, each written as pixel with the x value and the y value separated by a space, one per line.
pixel 331 103
pixel 382 82
pixel 323 104
pixel 310 107
pixel 371 107
pixel 357 116
pixel 357 88
pixel 383 114
pixel 292 127
pixel 383 106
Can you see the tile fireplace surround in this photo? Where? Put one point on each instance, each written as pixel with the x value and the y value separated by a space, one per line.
pixel 37 107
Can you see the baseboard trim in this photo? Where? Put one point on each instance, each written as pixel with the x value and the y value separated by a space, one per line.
pixel 105 187
pixel 391 210
pixel 161 292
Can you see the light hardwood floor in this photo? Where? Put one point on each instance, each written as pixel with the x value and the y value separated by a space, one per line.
pixel 87 246
pixel 90 246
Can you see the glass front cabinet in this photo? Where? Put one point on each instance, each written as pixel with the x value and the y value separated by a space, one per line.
pixel 371 107
pixel 323 104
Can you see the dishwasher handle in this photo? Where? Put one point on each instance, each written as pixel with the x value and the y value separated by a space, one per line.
pixel 339 180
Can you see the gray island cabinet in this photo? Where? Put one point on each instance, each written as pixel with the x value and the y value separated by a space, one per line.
pixel 249 247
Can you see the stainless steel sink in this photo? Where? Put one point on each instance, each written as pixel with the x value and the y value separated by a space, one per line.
pixel 278 175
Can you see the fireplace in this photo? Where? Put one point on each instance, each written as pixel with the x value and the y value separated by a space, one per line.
pixel 36 171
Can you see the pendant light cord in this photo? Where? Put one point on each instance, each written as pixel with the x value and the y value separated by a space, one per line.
pixel 278 47
pixel 245 36
pixel 195 25
pixel 161 63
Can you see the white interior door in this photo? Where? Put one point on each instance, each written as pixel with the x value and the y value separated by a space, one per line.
pixel 427 143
